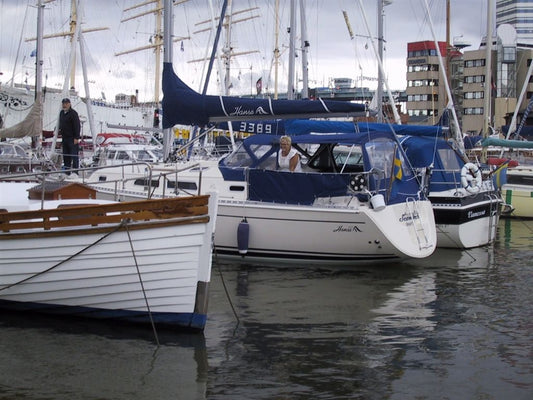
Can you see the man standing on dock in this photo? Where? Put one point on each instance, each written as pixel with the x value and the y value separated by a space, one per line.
pixel 69 128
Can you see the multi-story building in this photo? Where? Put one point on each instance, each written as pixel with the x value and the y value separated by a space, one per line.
pixel 512 52
pixel 518 14
pixel 509 68
pixel 426 95
pixel 426 90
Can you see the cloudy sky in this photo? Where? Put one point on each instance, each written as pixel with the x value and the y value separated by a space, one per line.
pixel 332 53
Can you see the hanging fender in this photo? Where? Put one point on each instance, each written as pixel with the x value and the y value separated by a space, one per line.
pixel 243 235
pixel 471 178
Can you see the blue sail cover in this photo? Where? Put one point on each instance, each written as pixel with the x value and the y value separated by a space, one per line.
pixel 300 127
pixel 182 105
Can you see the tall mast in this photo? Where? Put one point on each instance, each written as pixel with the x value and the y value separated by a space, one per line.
pixel 276 51
pixel 157 43
pixel 448 47
pixel 379 92
pixel 292 51
pixel 488 80
pixel 488 71
pixel 73 23
pixel 167 58
pixel 455 120
pixel 39 66
pixel 227 48
pixel 305 46
pixel 397 118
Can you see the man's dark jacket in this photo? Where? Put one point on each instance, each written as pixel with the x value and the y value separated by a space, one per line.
pixel 69 124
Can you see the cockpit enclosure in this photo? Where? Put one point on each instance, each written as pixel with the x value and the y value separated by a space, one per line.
pixel 444 159
pixel 333 165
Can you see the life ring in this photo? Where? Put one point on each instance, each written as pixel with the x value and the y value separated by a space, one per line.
pixel 471 178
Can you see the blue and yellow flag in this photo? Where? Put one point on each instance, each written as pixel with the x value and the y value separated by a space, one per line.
pixel 398 173
pixel 499 175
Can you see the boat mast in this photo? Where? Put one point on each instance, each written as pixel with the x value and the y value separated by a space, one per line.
pixel 227 49
pixel 167 58
pixel 39 66
pixel 379 91
pixel 448 47
pixel 457 130
pixel 397 118
pixel 292 51
pixel 488 71
pixel 276 52
pixel 488 80
pixel 157 43
pixel 305 47
pixel 74 40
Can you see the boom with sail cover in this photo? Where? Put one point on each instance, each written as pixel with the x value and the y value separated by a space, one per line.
pixel 182 105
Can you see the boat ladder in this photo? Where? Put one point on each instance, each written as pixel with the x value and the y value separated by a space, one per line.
pixel 414 216
pixel 494 216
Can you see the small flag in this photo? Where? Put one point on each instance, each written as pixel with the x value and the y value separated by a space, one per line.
pixel 33 53
pixel 181 47
pixel 398 173
pixel 259 85
pixel 499 175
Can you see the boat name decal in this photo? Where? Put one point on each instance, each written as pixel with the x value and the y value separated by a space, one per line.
pixel 240 111
pixel 472 214
pixel 406 217
pixel 342 228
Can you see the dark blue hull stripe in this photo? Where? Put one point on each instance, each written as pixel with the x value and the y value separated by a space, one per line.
pixel 193 321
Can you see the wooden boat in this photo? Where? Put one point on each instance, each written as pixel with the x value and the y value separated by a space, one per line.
pixel 63 252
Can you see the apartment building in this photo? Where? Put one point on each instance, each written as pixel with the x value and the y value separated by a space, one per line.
pixel 426 90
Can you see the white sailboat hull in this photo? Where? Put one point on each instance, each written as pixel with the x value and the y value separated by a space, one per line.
pixel 154 268
pixel 326 233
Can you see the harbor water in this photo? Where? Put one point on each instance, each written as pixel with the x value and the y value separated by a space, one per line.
pixel 458 325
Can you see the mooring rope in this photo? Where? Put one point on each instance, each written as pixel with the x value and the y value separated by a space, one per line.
pixel 224 284
pixel 142 286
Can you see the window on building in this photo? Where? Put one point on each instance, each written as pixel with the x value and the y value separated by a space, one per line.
pixel 509 54
pixel 474 79
pixel 474 63
pixel 473 111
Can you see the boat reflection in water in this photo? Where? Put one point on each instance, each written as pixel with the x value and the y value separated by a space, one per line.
pixel 516 233
pixel 90 360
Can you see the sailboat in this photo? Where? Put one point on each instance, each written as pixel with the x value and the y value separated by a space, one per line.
pixel 355 201
pixel 347 206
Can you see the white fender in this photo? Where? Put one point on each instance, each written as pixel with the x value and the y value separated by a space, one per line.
pixel 471 178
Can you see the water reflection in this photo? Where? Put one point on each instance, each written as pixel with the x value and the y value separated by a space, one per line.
pixel 456 325
pixel 43 357
pixel 408 314
pixel 516 234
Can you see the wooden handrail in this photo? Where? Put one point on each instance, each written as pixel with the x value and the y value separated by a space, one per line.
pixel 111 213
